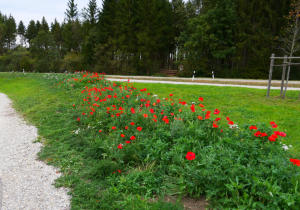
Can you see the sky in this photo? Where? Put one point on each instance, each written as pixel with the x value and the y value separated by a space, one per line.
pixel 27 10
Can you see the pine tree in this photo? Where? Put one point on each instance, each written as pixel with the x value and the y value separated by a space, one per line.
pixel 72 36
pixel 10 32
pixel 2 32
pixel 72 11
pixel 38 26
pixel 44 25
pixel 44 50
pixel 90 13
pixel 21 32
pixel 31 32
pixel 57 34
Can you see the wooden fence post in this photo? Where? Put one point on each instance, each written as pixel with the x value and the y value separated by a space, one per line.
pixel 270 74
pixel 287 78
pixel 283 75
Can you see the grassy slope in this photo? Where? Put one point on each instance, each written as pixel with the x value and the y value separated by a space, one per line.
pixel 243 105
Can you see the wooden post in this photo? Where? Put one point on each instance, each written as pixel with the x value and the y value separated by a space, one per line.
pixel 270 74
pixel 283 75
pixel 287 78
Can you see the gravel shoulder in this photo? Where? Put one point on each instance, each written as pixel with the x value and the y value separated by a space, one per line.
pixel 25 182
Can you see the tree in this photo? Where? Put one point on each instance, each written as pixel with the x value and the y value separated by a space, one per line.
pixel 38 26
pixel 57 34
pixel 10 32
pixel 2 32
pixel 72 36
pixel 45 52
pixel 21 32
pixel 72 11
pixel 90 13
pixel 44 25
pixel 31 32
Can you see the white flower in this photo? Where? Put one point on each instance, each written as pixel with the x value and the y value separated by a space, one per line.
pixel 234 126
pixel 285 147
pixel 77 131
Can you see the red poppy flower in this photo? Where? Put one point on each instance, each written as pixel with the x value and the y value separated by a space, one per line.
pixel 139 128
pixel 190 156
pixel 166 120
pixel 122 135
pixel 171 94
pixel 142 90
pixel 295 161
pixel 78 119
pixel 158 100
pixel 200 118
pixel 263 134
pixel 100 131
pixel 201 105
pixel 132 110
pixel 273 124
pixel 215 125
pixel 257 134
pixel 272 138
pixel 126 127
pixel 282 134
pixel 114 127
pixel 230 123
pixel 127 142
pixel 217 119
pixel 217 111
pixel 132 123
pixel 145 115
pixel 193 107
pixel 73 105
pixel 132 138
pixel 200 99
pixel 207 115
pixel 120 146
pixel 253 127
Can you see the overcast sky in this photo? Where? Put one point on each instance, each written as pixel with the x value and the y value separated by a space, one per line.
pixel 27 10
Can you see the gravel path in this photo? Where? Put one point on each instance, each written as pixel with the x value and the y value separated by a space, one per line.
pixel 25 182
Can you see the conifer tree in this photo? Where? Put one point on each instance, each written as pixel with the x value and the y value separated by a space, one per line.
pixel 31 32
pixel 72 11
pixel 57 34
pixel 90 13
pixel 44 25
pixel 10 32
pixel 21 32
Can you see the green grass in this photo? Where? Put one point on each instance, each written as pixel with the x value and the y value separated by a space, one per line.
pixel 48 108
pixel 242 105
pixel 232 171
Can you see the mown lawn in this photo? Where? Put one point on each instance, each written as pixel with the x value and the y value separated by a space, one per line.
pixel 230 168
pixel 243 105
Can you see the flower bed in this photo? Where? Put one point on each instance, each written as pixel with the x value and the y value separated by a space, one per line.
pixel 151 147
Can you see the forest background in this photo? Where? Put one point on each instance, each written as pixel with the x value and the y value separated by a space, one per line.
pixel 233 38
